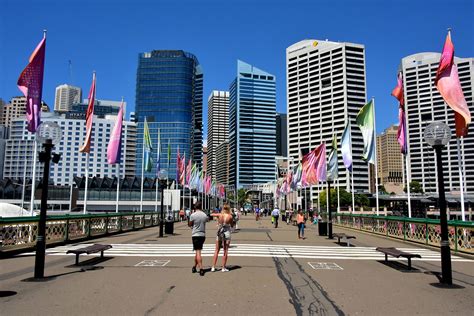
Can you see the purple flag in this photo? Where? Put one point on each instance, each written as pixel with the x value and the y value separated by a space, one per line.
pixel 114 149
pixel 30 83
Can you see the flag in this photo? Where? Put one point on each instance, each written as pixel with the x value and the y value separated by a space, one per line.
pixel 178 167
pixel 158 153
pixel 86 147
pixel 297 173
pixel 332 164
pixel 346 147
pixel 114 149
pixel 397 92
pixel 448 84
pixel 147 147
pixel 314 165
pixel 169 153
pixel 30 84
pixel 366 121
pixel 188 172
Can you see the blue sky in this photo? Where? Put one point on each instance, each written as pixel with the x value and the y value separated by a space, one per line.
pixel 108 35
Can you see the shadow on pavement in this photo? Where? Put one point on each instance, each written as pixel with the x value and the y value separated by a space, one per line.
pixel 399 266
pixel 90 262
pixel 7 293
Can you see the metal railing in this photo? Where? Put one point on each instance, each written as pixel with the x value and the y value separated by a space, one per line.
pixel 418 230
pixel 19 233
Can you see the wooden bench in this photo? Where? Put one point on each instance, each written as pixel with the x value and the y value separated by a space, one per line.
pixel 345 237
pixel 394 252
pixel 88 250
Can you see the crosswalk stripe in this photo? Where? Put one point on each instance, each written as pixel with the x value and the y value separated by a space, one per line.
pixel 257 250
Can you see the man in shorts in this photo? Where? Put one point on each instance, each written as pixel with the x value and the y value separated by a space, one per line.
pixel 197 221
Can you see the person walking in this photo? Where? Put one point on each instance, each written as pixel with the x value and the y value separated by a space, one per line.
pixel 276 215
pixel 300 223
pixel 225 223
pixel 197 221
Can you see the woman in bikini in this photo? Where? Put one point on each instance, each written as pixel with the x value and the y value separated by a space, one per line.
pixel 225 223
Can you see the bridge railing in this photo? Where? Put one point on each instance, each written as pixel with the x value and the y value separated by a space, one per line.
pixel 418 230
pixel 18 233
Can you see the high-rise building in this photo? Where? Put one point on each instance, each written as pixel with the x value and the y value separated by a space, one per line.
pixel 16 108
pixel 217 127
pixel 66 96
pixel 222 163
pixel 326 88
pixel 390 161
pixel 19 150
pixel 424 105
pixel 101 109
pixel 281 135
pixel 252 140
pixel 169 95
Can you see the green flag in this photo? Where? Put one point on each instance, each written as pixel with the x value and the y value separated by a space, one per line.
pixel 332 165
pixel 147 165
pixel 366 121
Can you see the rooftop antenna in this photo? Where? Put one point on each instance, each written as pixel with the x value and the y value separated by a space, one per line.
pixel 70 72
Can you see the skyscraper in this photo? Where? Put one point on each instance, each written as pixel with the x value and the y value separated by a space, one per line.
pixel 16 109
pixel 169 96
pixel 390 161
pixel 424 105
pixel 217 127
pixel 66 96
pixel 281 135
pixel 326 89
pixel 252 140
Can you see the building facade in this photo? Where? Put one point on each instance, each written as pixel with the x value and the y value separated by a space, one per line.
pixel 15 109
pixel 424 105
pixel 252 139
pixel 72 162
pixel 281 135
pixel 66 95
pixel 217 127
pixel 390 161
pixel 326 88
pixel 169 95
pixel 222 163
pixel 101 109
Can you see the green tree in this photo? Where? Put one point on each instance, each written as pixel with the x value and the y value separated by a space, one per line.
pixel 361 200
pixel 382 189
pixel 345 198
pixel 241 196
pixel 415 187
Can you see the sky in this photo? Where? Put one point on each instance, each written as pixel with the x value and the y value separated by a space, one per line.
pixel 107 36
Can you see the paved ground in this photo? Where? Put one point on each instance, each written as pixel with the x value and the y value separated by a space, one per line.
pixel 271 274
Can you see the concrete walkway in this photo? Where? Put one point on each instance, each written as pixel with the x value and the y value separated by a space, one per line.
pixel 272 273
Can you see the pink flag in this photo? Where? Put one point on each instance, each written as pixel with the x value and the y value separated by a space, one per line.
pixel 397 92
pixel 448 85
pixel 114 149
pixel 86 147
pixel 188 172
pixel 30 84
pixel 314 165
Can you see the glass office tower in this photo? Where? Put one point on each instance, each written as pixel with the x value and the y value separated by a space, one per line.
pixel 169 96
pixel 252 139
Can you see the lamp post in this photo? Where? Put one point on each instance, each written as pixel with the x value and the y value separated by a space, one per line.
pixel 48 134
pixel 163 176
pixel 437 135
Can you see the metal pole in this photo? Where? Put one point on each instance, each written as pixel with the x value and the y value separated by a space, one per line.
pixel 161 211
pixel 41 238
pixel 329 211
pixel 33 178
pixel 461 180
pixel 445 250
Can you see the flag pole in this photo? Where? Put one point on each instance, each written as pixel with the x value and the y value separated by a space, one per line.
pixel 338 198
pixel 158 163
pixel 143 170
pixel 184 177
pixel 376 164
pixel 87 183
pixel 24 185
pixel 407 156
pixel 118 188
pixel 461 179
pixel 352 168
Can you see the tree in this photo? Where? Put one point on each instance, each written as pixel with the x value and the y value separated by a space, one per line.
pixel 415 187
pixel 382 189
pixel 361 200
pixel 241 196
pixel 345 198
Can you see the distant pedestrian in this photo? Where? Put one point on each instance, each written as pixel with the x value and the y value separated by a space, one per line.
pixel 225 223
pixel 197 221
pixel 276 215
pixel 300 222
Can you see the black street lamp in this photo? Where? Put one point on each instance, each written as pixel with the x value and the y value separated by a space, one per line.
pixel 48 134
pixel 163 178
pixel 437 135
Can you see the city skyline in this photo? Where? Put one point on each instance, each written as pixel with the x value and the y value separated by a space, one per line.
pixel 265 47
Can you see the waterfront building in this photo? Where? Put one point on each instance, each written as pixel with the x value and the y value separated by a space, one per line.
pixel 217 127
pixel 252 139
pixel 169 95
pixel 424 105
pixel 390 161
pixel 66 95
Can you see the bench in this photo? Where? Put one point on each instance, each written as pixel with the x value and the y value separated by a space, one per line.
pixel 345 237
pixel 394 252
pixel 88 250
